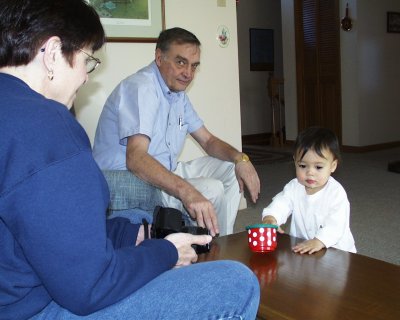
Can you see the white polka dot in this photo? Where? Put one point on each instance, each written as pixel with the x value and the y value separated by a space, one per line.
pixel 274 239
pixel 255 243
pixel 274 231
pixel 255 234
pixel 249 231
pixel 249 239
pixel 269 243
pixel 261 230
pixel 268 234
pixel 262 239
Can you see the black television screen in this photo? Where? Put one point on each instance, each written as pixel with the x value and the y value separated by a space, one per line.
pixel 261 49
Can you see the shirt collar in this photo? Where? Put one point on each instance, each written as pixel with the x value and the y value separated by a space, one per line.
pixel 166 91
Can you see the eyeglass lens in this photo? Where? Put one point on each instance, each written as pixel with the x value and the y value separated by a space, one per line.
pixel 91 64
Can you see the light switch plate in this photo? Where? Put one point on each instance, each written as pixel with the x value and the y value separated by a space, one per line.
pixel 221 3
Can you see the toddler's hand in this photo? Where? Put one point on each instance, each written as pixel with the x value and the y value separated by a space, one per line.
pixel 272 220
pixel 309 246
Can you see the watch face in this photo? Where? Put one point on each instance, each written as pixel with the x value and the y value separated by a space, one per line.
pixel 243 158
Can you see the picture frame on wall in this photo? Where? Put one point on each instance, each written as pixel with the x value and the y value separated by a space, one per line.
pixel 261 49
pixel 131 20
pixel 393 22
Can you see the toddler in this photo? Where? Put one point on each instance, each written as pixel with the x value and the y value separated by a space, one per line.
pixel 317 202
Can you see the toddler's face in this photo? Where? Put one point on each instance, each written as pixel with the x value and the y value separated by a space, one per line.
pixel 314 171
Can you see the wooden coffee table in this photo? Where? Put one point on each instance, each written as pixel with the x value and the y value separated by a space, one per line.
pixel 331 284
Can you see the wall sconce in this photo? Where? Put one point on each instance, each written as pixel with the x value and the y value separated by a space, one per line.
pixel 346 22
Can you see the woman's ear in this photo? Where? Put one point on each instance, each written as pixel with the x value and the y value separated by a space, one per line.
pixel 51 51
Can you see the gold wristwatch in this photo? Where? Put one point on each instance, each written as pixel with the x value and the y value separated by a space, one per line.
pixel 244 158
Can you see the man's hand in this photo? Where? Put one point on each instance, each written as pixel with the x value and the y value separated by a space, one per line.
pixel 247 176
pixel 245 172
pixel 183 243
pixel 309 246
pixel 150 170
pixel 202 210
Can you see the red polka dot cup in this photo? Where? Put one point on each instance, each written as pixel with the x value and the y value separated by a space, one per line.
pixel 262 237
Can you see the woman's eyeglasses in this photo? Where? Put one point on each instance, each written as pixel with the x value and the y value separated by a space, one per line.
pixel 91 62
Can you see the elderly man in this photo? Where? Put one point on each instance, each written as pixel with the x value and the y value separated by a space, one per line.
pixel 143 127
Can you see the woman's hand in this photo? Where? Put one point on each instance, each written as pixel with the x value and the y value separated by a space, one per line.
pixel 183 243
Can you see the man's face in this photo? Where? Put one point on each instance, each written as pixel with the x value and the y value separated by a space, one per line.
pixel 178 65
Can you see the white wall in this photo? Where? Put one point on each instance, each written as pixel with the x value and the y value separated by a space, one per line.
pixel 349 75
pixel 289 68
pixel 373 71
pixel 215 90
pixel 254 100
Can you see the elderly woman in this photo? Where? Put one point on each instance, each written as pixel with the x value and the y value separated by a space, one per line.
pixel 59 257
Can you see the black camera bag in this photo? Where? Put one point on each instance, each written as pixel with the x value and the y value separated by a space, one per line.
pixel 170 220
pixel 166 221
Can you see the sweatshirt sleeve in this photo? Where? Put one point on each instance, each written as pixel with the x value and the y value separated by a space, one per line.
pixel 281 206
pixel 61 226
pixel 121 232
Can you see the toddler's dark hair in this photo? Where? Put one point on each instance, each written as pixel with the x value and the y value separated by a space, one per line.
pixel 317 139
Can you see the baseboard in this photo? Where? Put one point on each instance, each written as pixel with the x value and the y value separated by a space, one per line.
pixel 372 147
pixel 259 138
pixel 265 138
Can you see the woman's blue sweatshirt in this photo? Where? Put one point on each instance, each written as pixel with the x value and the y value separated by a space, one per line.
pixel 55 243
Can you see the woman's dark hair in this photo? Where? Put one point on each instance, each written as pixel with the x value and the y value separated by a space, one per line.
pixel 175 35
pixel 25 25
pixel 317 139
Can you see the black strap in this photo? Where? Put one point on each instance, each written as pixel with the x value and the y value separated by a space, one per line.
pixel 146 228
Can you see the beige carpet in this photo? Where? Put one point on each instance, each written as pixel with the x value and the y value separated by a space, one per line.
pixel 261 155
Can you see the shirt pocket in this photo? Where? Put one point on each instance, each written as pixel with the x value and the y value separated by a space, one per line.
pixel 179 140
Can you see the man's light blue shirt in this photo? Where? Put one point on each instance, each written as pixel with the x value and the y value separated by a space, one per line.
pixel 143 104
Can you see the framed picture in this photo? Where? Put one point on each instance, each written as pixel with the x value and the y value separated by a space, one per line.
pixel 261 49
pixel 393 22
pixel 131 20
